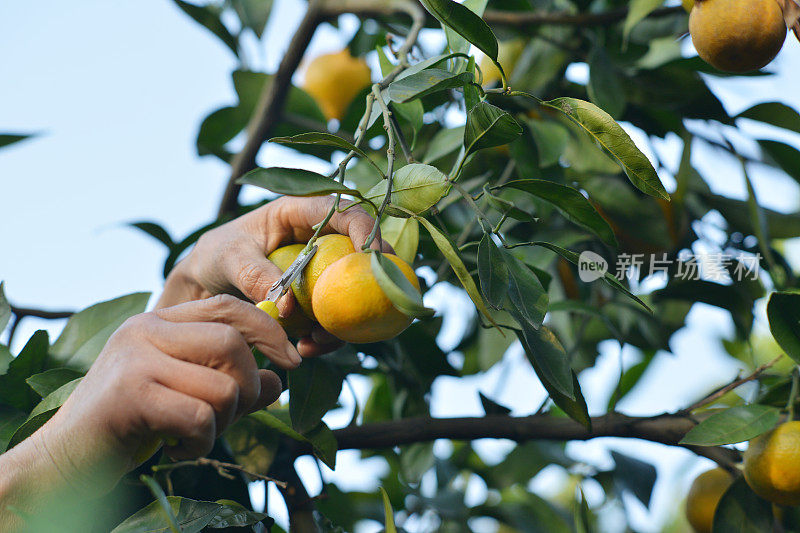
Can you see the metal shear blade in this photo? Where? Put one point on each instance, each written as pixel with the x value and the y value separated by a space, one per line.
pixel 280 287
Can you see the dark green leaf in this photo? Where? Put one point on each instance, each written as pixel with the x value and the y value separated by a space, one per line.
pixel 783 155
pixel 86 332
pixel 615 141
pixel 444 142
pixel 492 272
pixel 209 17
pixel 526 291
pixel 295 182
pixel 415 187
pixel 5 308
pixel 774 113
pixel 604 87
pixel 48 381
pixel 634 475
pixel 254 14
pixel 11 138
pixel 466 23
pixel 321 437
pixel 394 284
pixel 191 515
pixel 733 425
pixel 314 389
pixel 639 9
pixel 783 312
pixel 451 255
pixel 323 443
pixel 156 231
pixel 415 460
pixel 14 391
pixel 549 359
pixel 490 407
pixel 742 511
pixel 426 82
pixel 10 420
pixel 489 126
pixel 43 411
pixel 326 139
pixel 571 203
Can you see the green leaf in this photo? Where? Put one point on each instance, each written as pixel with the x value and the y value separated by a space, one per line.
pixel 163 504
pixel 326 139
pixel 415 187
pixel 783 155
pixel 209 17
pixel 43 411
pixel 314 389
pixel 426 82
pixel 10 420
pixel 394 284
pixel 321 437
pixel 783 312
pixel 615 141
pixel 525 291
pixel 233 514
pixel 742 511
pixel 571 203
pixel 634 475
pixel 388 513
pixel 48 381
pixel 156 231
pixel 86 332
pixel 492 272
pixel 451 255
pixel 549 359
pixel 14 391
pixel 415 460
pixel 294 182
pixel 466 23
pixel 489 126
pixel 5 308
pixel 323 443
pixel 639 9
pixel 733 425
pixel 253 14
pixel 412 113
pixel 402 234
pixel 444 142
pixel 191 516
pixel 491 407
pixel 11 138
pixel 774 113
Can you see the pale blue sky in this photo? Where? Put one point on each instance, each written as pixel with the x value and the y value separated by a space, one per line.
pixel 117 90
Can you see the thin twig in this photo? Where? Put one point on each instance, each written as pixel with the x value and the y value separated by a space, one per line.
pixel 221 468
pixel 390 145
pixel 732 385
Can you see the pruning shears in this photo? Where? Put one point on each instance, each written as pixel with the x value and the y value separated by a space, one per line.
pixel 279 288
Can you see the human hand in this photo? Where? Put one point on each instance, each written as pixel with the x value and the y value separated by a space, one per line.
pixel 182 374
pixel 232 258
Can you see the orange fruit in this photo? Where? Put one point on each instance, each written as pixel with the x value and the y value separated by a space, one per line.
pixel 333 80
pixel 737 35
pixel 331 248
pixel 297 324
pixel 349 303
pixel 772 464
pixel 704 496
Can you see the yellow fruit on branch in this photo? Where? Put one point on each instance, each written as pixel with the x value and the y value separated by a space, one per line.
pixel 349 303
pixel 737 35
pixel 704 496
pixel 772 464
pixel 333 80
pixel 687 5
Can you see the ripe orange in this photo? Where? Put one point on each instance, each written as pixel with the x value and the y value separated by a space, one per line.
pixel 772 464
pixel 297 324
pixel 333 80
pixel 349 303
pixel 737 35
pixel 331 248
pixel 704 496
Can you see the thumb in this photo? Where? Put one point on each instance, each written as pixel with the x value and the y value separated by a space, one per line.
pixel 254 275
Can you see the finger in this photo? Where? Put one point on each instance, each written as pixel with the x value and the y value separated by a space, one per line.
pixel 308 348
pixel 254 325
pixel 177 415
pixel 218 389
pixel 271 389
pixel 253 275
pixel 321 336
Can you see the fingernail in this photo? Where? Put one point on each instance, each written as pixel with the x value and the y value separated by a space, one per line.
pixel 292 353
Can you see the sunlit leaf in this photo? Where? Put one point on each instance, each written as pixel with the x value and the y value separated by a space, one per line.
pixel 615 141
pixel 48 381
pixel 489 126
pixel 733 425
pixel 43 411
pixel 326 139
pixel 191 516
pixel 466 23
pixel 210 17
pixel 295 182
pixel 234 514
pixel 403 295
pixel 426 82
pixel 388 512
pixel 415 187
pixel 402 234
pixel 783 312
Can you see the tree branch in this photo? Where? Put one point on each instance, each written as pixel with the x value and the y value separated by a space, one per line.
pixel 666 429
pixel 23 312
